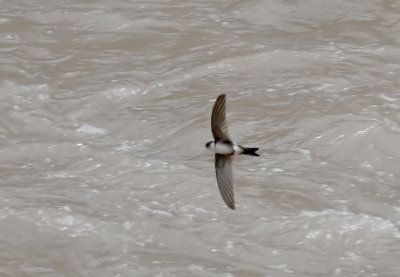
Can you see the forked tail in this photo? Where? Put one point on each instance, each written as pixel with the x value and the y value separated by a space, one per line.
pixel 251 151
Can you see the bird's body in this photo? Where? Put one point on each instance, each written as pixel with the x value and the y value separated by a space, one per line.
pixel 224 149
pixel 230 148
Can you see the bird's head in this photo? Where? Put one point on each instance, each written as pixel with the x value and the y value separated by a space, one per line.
pixel 208 145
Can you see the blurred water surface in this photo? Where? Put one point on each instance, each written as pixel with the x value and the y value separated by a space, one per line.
pixel 105 109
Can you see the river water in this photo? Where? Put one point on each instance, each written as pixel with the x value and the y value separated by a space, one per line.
pixel 105 110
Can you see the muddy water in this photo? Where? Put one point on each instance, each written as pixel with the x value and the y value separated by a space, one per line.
pixel 105 109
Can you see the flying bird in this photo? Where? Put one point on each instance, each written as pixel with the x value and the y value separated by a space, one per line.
pixel 224 149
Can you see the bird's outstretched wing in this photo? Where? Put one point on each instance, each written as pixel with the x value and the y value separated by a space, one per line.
pixel 219 127
pixel 223 169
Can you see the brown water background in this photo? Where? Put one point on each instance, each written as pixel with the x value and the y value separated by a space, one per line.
pixel 105 109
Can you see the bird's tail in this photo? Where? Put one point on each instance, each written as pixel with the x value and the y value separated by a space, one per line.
pixel 251 151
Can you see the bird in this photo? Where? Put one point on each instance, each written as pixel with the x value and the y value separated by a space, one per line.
pixel 225 149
